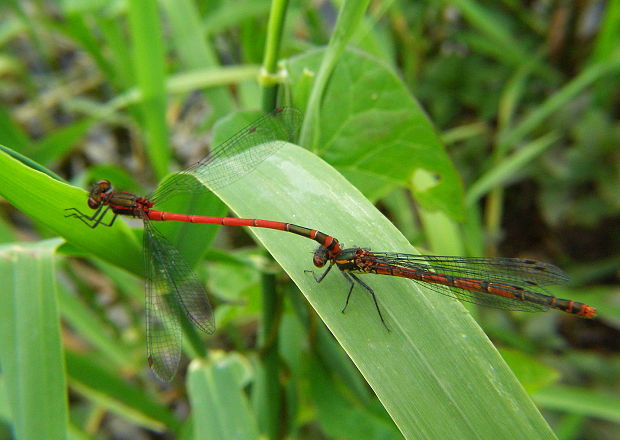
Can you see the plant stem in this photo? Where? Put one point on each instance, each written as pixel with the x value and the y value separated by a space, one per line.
pixel 268 78
pixel 269 357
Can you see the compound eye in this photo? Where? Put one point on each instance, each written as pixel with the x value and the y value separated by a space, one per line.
pixel 103 185
pixel 93 204
pixel 319 260
pixel 320 256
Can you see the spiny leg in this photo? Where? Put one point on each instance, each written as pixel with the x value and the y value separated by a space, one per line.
pixel 351 286
pixel 93 221
pixel 84 219
pixel 320 278
pixel 79 214
pixel 374 297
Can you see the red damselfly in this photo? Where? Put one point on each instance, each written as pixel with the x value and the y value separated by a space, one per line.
pixel 504 283
pixel 172 288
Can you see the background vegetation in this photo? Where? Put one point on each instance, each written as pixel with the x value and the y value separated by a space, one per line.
pixel 523 95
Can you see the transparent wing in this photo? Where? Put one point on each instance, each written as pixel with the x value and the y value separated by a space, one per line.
pixel 516 273
pixel 172 291
pixel 237 156
pixel 484 299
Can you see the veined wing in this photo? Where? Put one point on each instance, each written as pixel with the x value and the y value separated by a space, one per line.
pixel 172 291
pixel 237 156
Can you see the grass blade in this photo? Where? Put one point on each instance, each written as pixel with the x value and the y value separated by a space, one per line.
pixel 436 373
pixel 148 53
pixel 219 405
pixel 31 353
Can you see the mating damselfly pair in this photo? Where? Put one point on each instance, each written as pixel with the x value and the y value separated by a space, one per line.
pixel 173 290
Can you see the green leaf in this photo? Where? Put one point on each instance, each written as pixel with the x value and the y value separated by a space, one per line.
pixel 149 69
pixel 76 26
pixel 349 18
pixel 559 99
pixel 376 134
pixel 220 408
pixel 89 326
pixel 580 401
pixel 436 372
pixel 508 167
pixel 609 33
pixel 59 142
pixel 7 233
pixel 500 43
pixel 114 39
pixel 194 51
pixel 5 404
pixel 340 417
pixel 228 15
pixel 11 133
pixel 531 373
pixel 30 353
pixel 45 200
pixel 89 377
pixel 81 6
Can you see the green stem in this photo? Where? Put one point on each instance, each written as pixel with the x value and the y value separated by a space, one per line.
pixel 269 398
pixel 269 357
pixel 268 78
pixel 348 21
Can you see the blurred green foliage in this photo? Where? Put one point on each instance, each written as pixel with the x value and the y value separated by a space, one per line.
pixel 523 95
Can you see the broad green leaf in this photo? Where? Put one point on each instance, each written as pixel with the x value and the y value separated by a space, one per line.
pixel 436 372
pixel 77 434
pixel 347 23
pixel 31 354
pixel 5 404
pixel 376 134
pixel 45 200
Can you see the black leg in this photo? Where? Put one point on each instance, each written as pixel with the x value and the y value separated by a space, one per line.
pixel 320 278
pixel 374 298
pixel 93 221
pixel 351 286
pixel 111 221
pixel 77 213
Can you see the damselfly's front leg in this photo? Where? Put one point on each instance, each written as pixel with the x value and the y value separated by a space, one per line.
pixel 93 221
pixel 320 278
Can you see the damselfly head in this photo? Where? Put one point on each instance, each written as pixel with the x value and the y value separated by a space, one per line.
pixel 320 256
pixel 98 193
